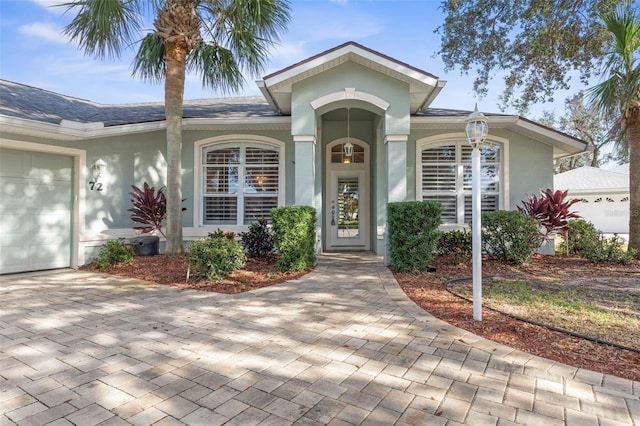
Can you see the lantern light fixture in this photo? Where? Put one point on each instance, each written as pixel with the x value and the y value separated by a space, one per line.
pixel 98 168
pixel 348 147
pixel 477 128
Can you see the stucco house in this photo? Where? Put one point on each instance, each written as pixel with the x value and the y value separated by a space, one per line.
pixel 244 156
pixel 603 194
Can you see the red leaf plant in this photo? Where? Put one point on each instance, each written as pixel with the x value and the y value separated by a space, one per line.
pixel 149 208
pixel 551 210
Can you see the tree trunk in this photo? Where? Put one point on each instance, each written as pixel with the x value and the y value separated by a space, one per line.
pixel 633 138
pixel 595 156
pixel 173 102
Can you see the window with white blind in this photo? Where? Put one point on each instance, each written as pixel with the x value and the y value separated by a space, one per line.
pixel 446 178
pixel 241 182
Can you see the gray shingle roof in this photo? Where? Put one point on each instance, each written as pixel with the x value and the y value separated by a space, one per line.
pixel 22 101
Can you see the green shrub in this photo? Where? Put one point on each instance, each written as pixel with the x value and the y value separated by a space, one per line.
pixel 580 231
pixel 510 236
pixel 456 243
pixel 601 249
pixel 215 258
pixel 294 230
pixel 219 233
pixel 113 252
pixel 413 234
pixel 258 241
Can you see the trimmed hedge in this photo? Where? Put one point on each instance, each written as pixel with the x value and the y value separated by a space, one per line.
pixel 413 234
pixel 456 243
pixel 294 229
pixel 510 236
pixel 215 257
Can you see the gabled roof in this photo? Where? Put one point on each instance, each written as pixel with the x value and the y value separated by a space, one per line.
pixel 277 87
pixel 592 179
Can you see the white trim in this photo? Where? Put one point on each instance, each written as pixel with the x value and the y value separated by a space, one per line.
pixel 348 94
pixel 74 131
pixel 503 199
pixel 396 138
pixel 79 190
pixel 230 139
pixel 328 57
pixel 305 138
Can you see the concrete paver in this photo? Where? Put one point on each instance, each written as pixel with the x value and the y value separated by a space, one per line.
pixel 342 345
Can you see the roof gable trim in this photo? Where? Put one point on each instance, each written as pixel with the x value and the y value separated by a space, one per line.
pixel 343 53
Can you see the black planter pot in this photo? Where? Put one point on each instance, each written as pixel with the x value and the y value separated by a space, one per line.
pixel 146 246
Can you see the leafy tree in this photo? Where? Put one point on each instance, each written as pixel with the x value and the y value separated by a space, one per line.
pixel 584 123
pixel 218 39
pixel 619 97
pixel 540 44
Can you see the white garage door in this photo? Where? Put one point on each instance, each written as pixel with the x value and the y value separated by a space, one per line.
pixel 35 211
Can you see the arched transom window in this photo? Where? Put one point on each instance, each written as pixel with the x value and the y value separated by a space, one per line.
pixel 241 182
pixel 446 178
pixel 338 154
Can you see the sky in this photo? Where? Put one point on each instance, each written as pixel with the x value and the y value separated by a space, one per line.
pixel 34 52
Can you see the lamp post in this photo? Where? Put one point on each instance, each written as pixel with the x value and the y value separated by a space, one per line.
pixel 476 132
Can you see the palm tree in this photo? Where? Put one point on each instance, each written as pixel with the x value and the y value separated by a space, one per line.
pixel 619 97
pixel 218 39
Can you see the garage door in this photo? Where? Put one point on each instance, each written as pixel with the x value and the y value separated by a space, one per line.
pixel 35 211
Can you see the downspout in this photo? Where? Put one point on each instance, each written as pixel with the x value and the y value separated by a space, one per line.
pixel 432 95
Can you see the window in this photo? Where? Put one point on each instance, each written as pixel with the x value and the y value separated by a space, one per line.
pixel 241 182
pixel 337 154
pixel 446 178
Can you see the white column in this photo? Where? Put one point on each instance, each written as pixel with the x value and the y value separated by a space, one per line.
pixel 396 147
pixel 476 234
pixel 305 169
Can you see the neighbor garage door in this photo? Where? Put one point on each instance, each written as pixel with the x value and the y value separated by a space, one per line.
pixel 35 210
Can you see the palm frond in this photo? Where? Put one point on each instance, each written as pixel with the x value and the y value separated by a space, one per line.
pixel 103 28
pixel 620 92
pixel 149 63
pixel 217 66
pixel 246 28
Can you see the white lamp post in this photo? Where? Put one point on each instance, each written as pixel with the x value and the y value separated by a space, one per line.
pixel 476 132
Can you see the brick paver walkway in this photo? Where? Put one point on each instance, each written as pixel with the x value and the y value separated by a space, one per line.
pixel 341 346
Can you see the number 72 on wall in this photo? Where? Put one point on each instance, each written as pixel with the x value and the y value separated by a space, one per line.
pixel 95 186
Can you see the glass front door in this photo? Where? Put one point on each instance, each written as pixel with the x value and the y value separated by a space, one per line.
pixel 347 214
pixel 348 210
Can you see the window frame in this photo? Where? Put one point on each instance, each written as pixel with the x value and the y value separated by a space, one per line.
pixel 459 140
pixel 228 141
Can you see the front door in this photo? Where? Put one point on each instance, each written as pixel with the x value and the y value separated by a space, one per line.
pixel 347 215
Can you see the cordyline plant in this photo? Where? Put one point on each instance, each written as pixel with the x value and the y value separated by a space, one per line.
pixel 551 210
pixel 149 208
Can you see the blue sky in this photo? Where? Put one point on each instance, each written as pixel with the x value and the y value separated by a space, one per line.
pixel 34 52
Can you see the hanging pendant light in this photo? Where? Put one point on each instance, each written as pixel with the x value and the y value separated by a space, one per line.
pixel 348 147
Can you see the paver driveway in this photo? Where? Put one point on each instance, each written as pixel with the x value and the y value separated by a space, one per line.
pixel 342 345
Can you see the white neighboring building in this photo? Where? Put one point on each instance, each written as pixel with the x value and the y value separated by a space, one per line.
pixel 604 195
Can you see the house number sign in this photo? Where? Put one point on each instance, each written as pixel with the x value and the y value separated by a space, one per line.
pixel 95 185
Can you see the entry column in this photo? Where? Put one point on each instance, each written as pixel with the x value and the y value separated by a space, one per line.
pixel 305 169
pixel 396 148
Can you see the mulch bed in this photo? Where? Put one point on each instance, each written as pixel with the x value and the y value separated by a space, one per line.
pixel 427 290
